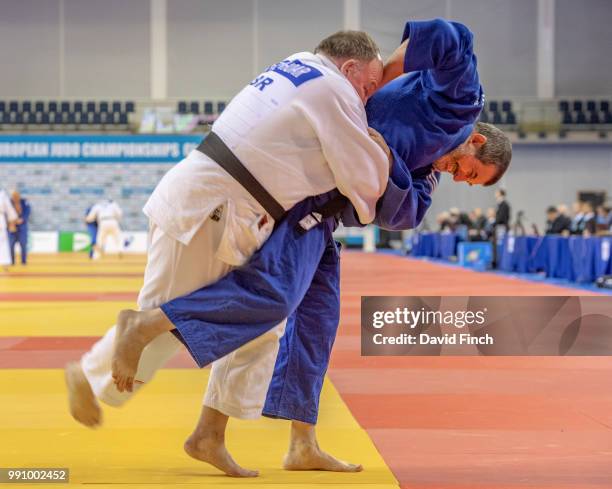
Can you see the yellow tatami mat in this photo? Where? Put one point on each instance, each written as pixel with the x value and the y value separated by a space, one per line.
pixel 141 444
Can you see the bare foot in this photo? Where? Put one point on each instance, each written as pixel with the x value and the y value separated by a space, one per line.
pixel 130 340
pixel 83 404
pixel 214 452
pixel 311 457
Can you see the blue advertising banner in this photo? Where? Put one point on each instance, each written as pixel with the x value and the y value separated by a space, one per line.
pixel 158 148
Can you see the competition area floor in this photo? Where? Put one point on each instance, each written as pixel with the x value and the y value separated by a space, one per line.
pixel 414 422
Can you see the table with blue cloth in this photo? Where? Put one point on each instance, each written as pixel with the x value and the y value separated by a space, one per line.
pixel 575 258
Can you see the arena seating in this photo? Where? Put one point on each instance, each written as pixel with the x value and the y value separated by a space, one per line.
pixel 499 113
pixel 62 115
pixel 581 114
pixel 207 108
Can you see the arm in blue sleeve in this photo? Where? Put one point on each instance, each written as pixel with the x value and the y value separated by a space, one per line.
pixel 26 212
pixel 445 51
pixel 405 201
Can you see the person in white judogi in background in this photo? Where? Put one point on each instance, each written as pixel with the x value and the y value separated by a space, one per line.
pixel 7 216
pixel 300 128
pixel 107 214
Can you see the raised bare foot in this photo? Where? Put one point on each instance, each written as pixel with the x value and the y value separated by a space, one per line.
pixel 214 452
pixel 311 457
pixel 83 404
pixel 130 340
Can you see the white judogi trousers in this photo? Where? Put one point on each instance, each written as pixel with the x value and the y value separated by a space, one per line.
pixel 238 382
pixel 109 228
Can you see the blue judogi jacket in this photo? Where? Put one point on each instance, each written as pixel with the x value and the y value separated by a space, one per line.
pixel 22 229
pixel 423 114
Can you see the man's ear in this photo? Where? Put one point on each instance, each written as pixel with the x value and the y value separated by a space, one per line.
pixel 349 67
pixel 478 139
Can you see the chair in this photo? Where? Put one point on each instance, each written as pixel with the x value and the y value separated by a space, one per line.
pixel 510 118
pixel 604 105
pixel 567 118
pixel 594 117
pixel 65 107
pixel 194 108
pixel 116 106
pixel 123 118
pixel 13 106
pixel 78 107
pixel 493 106
pixel 591 105
pixel 91 106
pixel 2 107
pixel 39 106
pixel 52 107
pixel 26 106
pixel 563 105
pixel 129 107
pixel 497 118
pixel 104 107
pixel 577 105
pixel 506 106
pixel 220 107
pixel 581 118
pixel 182 107
pixel 209 108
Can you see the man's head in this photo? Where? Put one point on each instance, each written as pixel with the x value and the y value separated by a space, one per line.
pixel 358 58
pixel 481 160
pixel 500 194
pixel 15 196
pixel 552 212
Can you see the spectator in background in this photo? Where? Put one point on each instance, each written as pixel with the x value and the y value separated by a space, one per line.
pixel 479 221
pixel 576 225
pixel 92 229
pixel 18 232
pixel 444 221
pixel 8 217
pixel 557 223
pixel 502 212
pixel 603 218
pixel 588 225
pixel 489 229
pixel 107 213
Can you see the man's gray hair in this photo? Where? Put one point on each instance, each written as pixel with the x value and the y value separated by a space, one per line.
pixel 349 45
pixel 496 151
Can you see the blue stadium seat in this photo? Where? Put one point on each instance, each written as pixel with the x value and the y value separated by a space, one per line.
pixel 581 118
pixel 3 117
pixel 129 107
pixel 96 118
pixel 181 108
pixel 567 118
pixel 209 108
pixel 2 107
pixel 220 107
pixel 78 107
pixel 493 106
pixel 39 106
pixel 17 117
pixel 116 106
pixel 563 105
pixel 497 118
pixel 43 118
pixel 510 118
pixel 604 106
pixel 507 106
pixel 30 118
pixel 52 106
pixel 608 117
pixel 123 118
pixel 65 107
pixel 577 105
pixel 13 106
pixel 484 116
pixel 103 106
pixel 591 105
pixel 194 108
pixel 26 106
pixel 57 118
pixel 91 106
pixel 594 117
pixel 71 117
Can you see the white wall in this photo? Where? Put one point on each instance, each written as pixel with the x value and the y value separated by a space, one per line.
pixel 101 48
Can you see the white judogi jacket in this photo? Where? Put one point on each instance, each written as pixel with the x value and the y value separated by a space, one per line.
pixel 301 130
pixel 7 213
pixel 105 210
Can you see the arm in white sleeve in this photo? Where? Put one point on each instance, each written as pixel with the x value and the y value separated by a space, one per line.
pixel 359 165
pixel 93 214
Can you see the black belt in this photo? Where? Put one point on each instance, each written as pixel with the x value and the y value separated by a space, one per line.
pixel 214 147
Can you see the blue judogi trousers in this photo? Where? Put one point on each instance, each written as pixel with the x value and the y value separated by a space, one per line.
pixel 294 275
pixel 20 236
